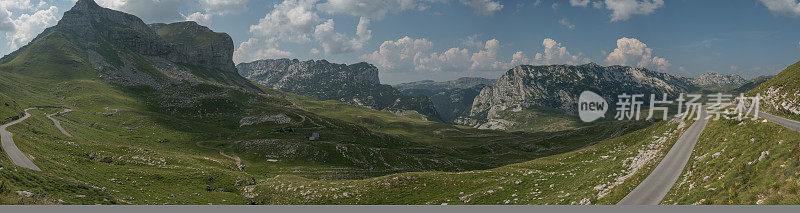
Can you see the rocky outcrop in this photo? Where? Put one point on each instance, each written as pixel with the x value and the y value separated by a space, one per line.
pixel 712 79
pixel 198 44
pixel 356 84
pixel 558 86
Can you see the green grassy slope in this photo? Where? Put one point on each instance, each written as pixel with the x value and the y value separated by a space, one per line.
pixel 749 162
pixel 780 93
pixel 600 174
pixel 751 84
pixel 9 109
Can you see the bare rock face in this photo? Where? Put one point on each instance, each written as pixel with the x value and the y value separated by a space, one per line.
pixel 558 86
pixel 356 84
pixel 719 80
pixel 198 44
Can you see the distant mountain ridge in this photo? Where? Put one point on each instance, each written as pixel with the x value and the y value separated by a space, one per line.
pixel 712 79
pixel 452 99
pixel 357 84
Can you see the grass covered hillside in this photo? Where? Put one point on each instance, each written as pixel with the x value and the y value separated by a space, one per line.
pixel 600 174
pixel 747 162
pixel 782 93
pixel 9 109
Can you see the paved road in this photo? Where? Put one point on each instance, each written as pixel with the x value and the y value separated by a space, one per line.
pixel 7 140
pixel 653 189
pixel 791 124
pixel 58 124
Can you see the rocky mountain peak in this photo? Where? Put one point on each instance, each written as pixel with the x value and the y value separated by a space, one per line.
pixel 86 5
pixel 121 47
pixel 719 80
pixel 90 23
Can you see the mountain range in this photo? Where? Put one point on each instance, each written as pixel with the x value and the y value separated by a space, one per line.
pixel 480 102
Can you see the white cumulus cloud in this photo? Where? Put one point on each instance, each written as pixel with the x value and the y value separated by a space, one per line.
pixel 622 10
pixel 556 53
pixel 398 55
pixel 291 20
pixel 484 7
pixel 27 26
pixel 407 55
pixel 454 58
pixel 6 24
pixel 565 23
pixel 632 52
pixel 199 17
pixel 486 59
pixel 22 5
pixel 789 8
pixel 256 49
pixel 580 3
pixel 335 43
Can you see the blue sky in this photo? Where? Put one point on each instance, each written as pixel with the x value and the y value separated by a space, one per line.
pixel 413 40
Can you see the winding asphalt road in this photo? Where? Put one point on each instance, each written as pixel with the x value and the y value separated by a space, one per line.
pixel 7 140
pixel 790 124
pixel 58 124
pixel 653 189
